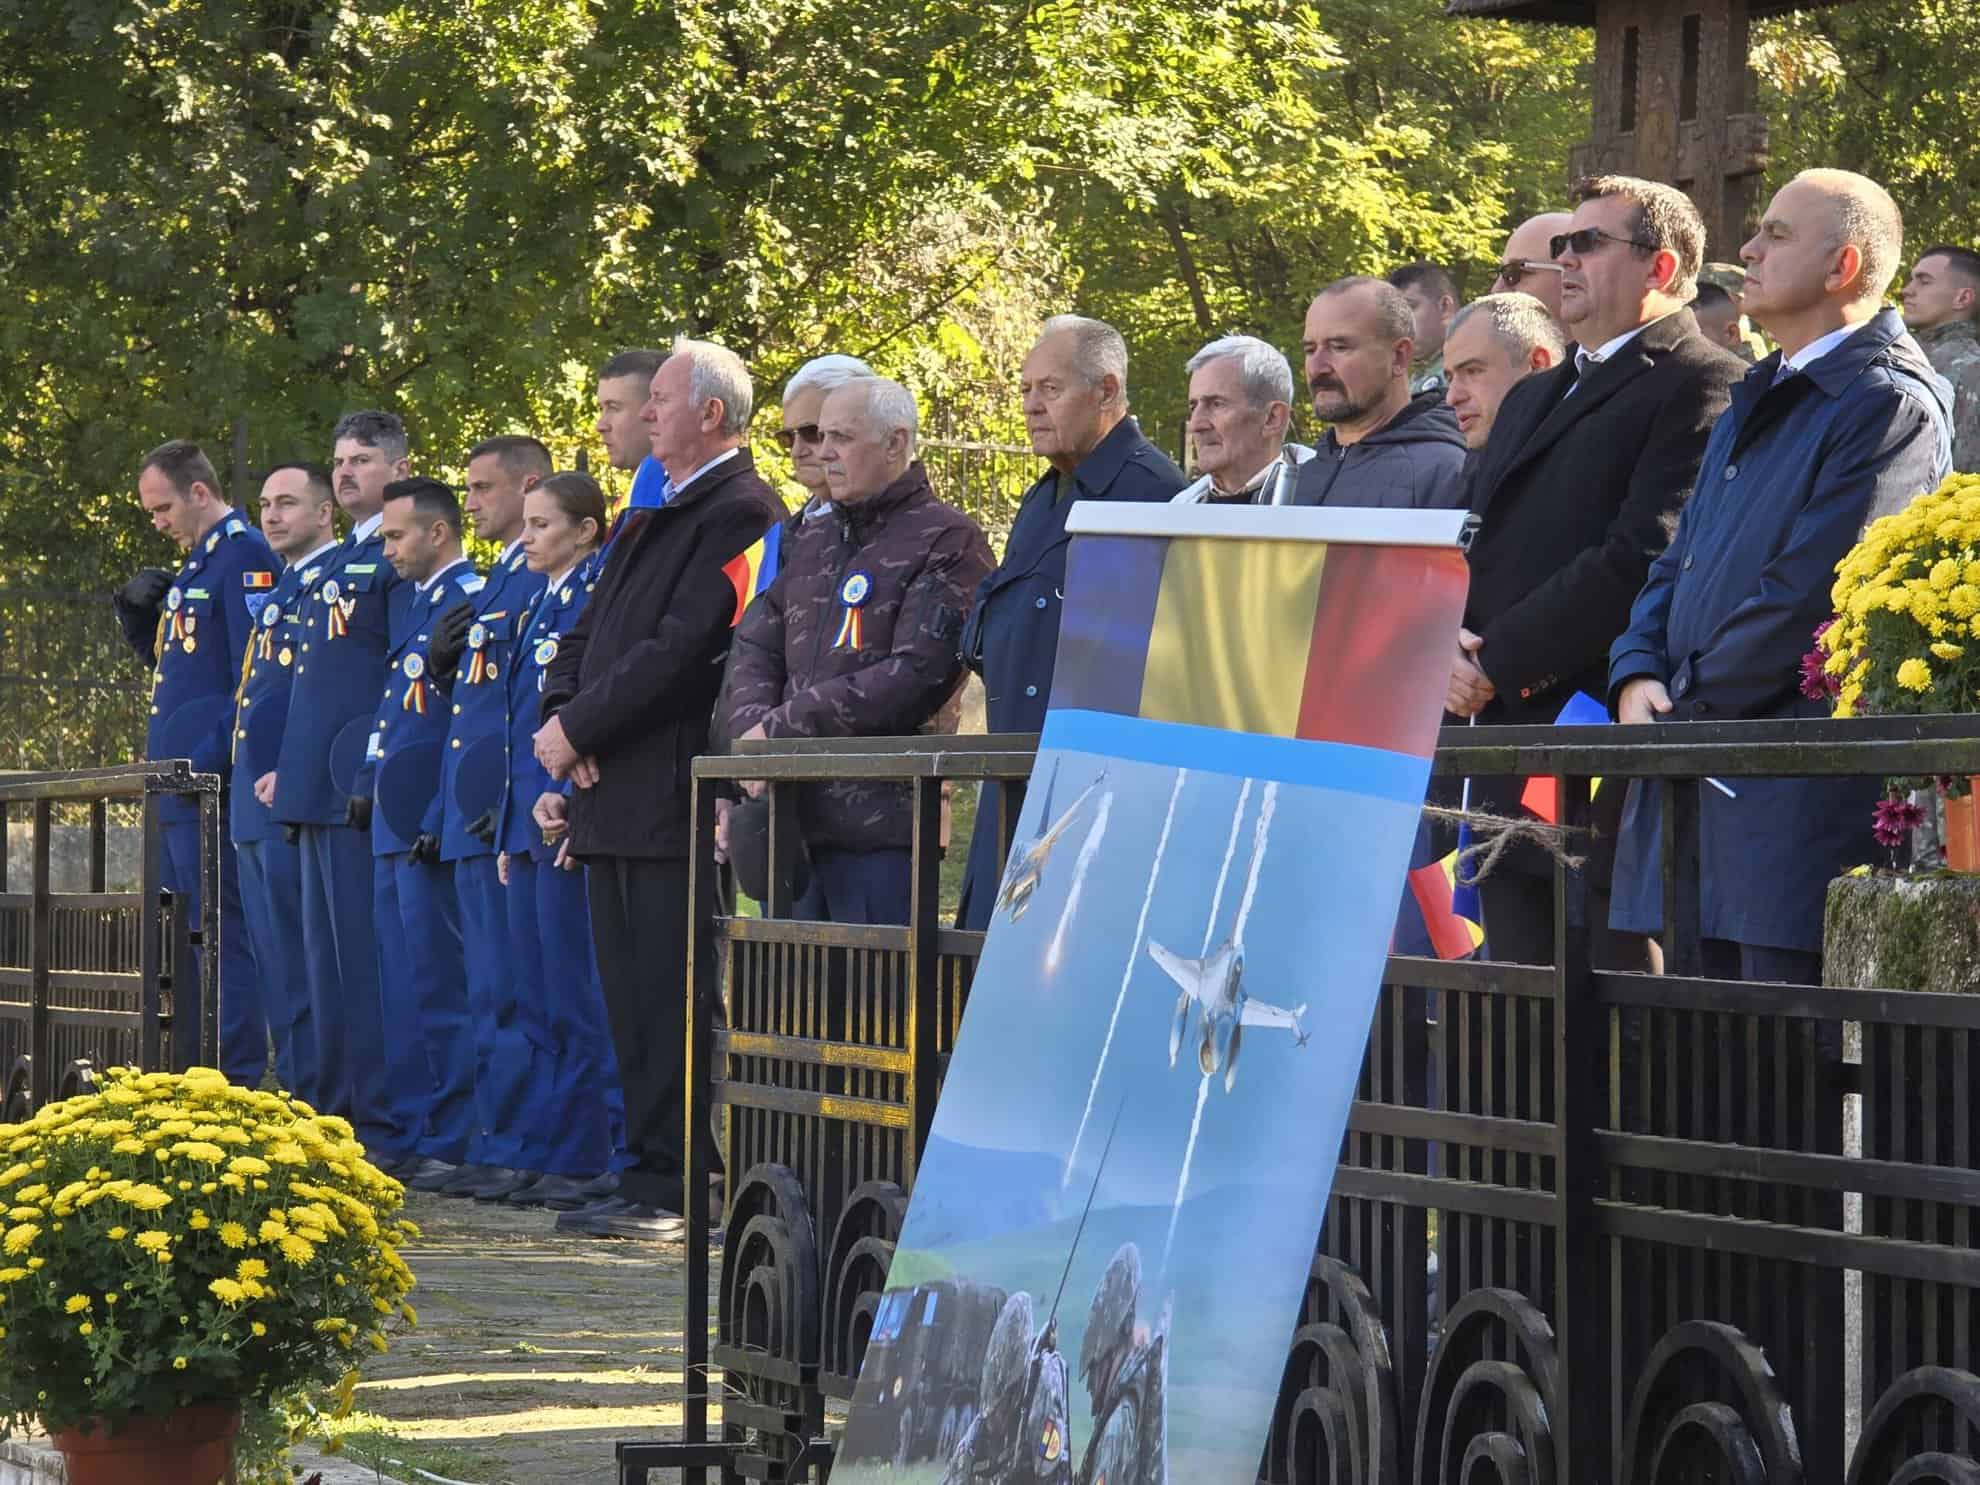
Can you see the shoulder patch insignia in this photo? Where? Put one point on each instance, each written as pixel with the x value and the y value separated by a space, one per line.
pixel 473 584
pixel 257 580
pixel 236 527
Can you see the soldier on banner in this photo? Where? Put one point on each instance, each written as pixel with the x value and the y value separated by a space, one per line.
pixel 430 1052
pixel 1021 1429
pixel 1125 1365
pixel 192 628
pixel 298 511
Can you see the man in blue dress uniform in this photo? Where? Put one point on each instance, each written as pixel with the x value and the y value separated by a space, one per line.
pixel 192 628
pixel 473 648
pixel 298 515
pixel 429 1049
pixel 623 382
pixel 1075 408
pixel 323 784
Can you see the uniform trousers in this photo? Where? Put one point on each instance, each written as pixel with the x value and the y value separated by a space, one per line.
pixel 340 965
pixel 508 1114
pixel 640 924
pixel 428 1050
pixel 271 900
pixel 571 1069
pixel 243 1051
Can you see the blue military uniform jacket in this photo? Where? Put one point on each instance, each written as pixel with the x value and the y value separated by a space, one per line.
pixel 261 711
pixel 1012 636
pixel 551 614
pixel 345 629
pixel 195 648
pixel 1788 479
pixel 409 731
pixel 475 766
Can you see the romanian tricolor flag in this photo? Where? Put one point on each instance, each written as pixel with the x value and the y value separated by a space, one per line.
pixel 750 572
pixel 1439 917
pixel 1233 653
pixel 1540 795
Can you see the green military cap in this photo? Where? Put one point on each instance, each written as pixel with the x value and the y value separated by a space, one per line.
pixel 1728 276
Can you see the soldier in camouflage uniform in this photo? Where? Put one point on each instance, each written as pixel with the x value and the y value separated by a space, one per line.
pixel 858 636
pixel 1941 300
pixel 1125 1366
pixel 1719 314
pixel 1020 1432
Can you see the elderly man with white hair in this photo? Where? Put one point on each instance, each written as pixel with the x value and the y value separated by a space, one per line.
pixel 857 637
pixel 1240 405
pixel 626 700
pixel 1075 398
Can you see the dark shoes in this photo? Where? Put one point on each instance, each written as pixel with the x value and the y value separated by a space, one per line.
pixel 615 1217
pixel 425 1174
pixel 467 1177
pixel 558 1193
pixel 502 1183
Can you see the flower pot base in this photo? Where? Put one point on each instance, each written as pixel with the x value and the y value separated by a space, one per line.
pixel 189 1447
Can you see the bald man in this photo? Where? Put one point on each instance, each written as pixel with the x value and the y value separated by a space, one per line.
pixel 1844 421
pixel 1527 265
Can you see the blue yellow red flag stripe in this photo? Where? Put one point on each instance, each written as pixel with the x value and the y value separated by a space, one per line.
pixel 750 572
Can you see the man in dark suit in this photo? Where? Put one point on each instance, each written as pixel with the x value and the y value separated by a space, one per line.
pixel 1846 416
pixel 1576 491
pixel 626 706
pixel 1076 411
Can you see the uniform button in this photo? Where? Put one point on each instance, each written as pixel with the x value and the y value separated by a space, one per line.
pixel 154 711
pixel 1681 685
pixel 457 708
pixel 305 647
pixel 454 742
pixel 1031 690
pixel 1687 563
pixel 299 670
pixel 1732 471
pixel 1041 603
pixel 240 732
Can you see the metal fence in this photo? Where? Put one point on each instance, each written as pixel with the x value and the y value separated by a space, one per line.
pixel 93 970
pixel 1654 1262
pixel 71 693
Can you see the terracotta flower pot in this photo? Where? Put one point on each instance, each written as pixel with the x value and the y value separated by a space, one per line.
pixel 1963 832
pixel 189 1447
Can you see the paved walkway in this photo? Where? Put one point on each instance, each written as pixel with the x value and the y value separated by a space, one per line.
pixel 535 1353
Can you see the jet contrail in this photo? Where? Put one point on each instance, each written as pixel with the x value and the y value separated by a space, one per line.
pixel 1182 1181
pixel 1224 875
pixel 1134 953
pixel 1087 852
pixel 1258 838
pixel 1257 857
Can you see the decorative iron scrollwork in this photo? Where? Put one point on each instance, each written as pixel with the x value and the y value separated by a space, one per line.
pixel 1925 1430
pixel 20 1091
pixel 1337 1419
pixel 1485 1417
pixel 1706 1406
pixel 855 1276
pixel 770 1306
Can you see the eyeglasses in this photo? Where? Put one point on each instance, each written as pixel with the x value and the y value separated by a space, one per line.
pixel 1518 268
pixel 1588 239
pixel 788 438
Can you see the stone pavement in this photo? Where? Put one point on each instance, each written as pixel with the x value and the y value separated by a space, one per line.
pixel 534 1354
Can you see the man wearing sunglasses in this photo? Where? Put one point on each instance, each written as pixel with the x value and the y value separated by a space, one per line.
pixel 1587 465
pixel 1526 268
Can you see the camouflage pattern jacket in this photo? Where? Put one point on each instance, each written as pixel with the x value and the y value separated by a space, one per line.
pixel 1954 350
pixel 858 637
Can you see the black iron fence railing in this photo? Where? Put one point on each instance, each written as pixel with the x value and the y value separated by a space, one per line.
pixel 1587 1227
pixel 96 955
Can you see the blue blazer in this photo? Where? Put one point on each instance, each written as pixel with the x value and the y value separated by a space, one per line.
pixel 479 725
pixel 195 649
pixel 1012 635
pixel 261 712
pixel 1788 479
pixel 409 727
pixel 552 614
pixel 344 631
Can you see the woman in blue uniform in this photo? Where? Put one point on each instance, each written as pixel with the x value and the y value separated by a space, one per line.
pixel 550 926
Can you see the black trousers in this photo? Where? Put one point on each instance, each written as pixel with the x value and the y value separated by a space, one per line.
pixel 1519 924
pixel 639 928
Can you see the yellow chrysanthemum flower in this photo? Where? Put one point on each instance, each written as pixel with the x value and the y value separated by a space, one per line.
pixel 153 1240
pixel 228 1292
pixel 1948 651
pixel 1914 675
pixel 19 1239
pixel 75 1304
pixel 251 1268
pixel 297 1250
pixel 233 1235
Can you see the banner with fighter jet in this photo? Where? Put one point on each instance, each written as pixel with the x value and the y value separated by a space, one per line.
pixel 1109 1236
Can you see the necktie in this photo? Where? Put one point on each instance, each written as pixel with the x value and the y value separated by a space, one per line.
pixel 1584 362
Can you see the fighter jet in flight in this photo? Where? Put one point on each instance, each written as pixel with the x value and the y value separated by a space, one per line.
pixel 1215 987
pixel 1026 869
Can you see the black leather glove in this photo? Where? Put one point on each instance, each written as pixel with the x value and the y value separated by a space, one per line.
pixel 443 651
pixel 482 827
pixel 357 812
pixel 146 590
pixel 291 833
pixel 425 847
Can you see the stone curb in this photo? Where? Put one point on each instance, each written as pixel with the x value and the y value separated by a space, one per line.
pixel 35 1461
